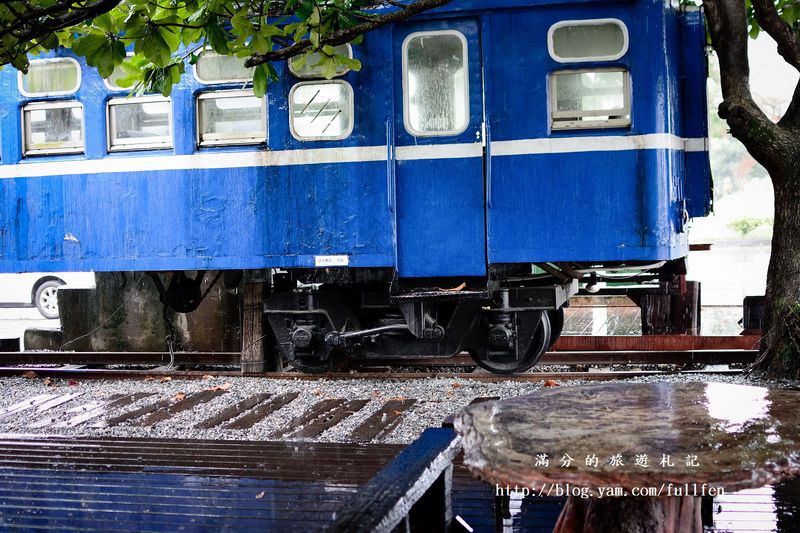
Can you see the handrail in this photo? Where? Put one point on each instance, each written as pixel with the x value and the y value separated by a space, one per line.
pixel 420 472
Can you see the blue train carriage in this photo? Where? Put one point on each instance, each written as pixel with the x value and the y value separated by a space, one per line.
pixel 445 198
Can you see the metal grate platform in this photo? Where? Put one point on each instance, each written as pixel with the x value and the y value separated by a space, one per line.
pixel 124 484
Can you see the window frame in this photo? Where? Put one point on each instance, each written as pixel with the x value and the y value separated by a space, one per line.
pixel 212 95
pixel 52 104
pixel 300 77
pixel 587 22
pixel 323 138
pixel 166 143
pixel 404 53
pixel 197 78
pixel 554 114
pixel 78 81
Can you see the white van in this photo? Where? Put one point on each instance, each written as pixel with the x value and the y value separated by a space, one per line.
pixel 40 289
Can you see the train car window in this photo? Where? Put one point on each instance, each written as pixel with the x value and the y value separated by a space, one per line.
pixel 230 117
pixel 50 77
pixel 590 99
pixel 321 110
pixel 52 128
pixel 570 41
pixel 435 83
pixel 139 123
pixel 306 66
pixel 212 67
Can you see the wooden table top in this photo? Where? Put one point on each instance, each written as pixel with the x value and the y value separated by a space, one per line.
pixel 636 434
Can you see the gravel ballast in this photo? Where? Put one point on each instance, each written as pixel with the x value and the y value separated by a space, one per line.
pixel 436 399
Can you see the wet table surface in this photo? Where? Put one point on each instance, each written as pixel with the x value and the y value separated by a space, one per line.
pixel 636 435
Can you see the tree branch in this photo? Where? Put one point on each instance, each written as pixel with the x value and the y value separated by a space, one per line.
pixel 791 119
pixel 34 25
pixel 727 24
pixel 347 35
pixel 778 29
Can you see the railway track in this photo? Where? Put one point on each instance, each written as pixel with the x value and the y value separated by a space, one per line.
pixel 569 350
pixel 577 351
pixel 70 372
pixel 148 405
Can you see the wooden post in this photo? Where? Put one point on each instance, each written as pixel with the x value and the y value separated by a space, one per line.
pixel 253 342
pixel 753 314
pixel 674 309
pixel 434 511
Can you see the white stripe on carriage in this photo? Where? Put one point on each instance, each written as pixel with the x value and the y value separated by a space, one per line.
pixel 200 161
pixel 438 151
pixel 608 143
pixel 696 145
pixel 350 154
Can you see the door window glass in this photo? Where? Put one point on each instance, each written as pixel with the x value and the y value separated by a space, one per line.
pixel 435 83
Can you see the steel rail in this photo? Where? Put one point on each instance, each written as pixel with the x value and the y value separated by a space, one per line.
pixel 605 357
pixel 102 373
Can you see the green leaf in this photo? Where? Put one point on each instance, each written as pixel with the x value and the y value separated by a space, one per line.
pixel 314 18
pixel 119 52
pixel 155 48
pixel 789 14
pixel 352 64
pixel 103 60
pixel 217 36
pixel 50 41
pixel 328 68
pixel 240 23
pixel 105 23
pixel 88 46
pixel 260 81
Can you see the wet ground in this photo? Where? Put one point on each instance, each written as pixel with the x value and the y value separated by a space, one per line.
pixel 415 405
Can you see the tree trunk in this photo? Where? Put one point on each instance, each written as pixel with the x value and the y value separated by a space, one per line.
pixel 775 146
pixel 780 355
pixel 631 515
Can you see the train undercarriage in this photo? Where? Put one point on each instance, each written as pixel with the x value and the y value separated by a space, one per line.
pixel 506 330
pixel 320 319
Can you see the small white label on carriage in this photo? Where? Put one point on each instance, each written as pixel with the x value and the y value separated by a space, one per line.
pixel 331 260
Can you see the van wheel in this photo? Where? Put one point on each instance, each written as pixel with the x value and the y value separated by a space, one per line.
pixel 46 298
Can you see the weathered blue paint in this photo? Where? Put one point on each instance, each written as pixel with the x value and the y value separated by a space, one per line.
pixel 440 222
pixel 695 70
pixel 430 216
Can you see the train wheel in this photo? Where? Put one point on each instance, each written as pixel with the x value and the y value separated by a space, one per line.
pixel 508 362
pixel 556 325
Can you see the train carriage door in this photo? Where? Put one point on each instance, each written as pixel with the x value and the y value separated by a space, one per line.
pixel 438 149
